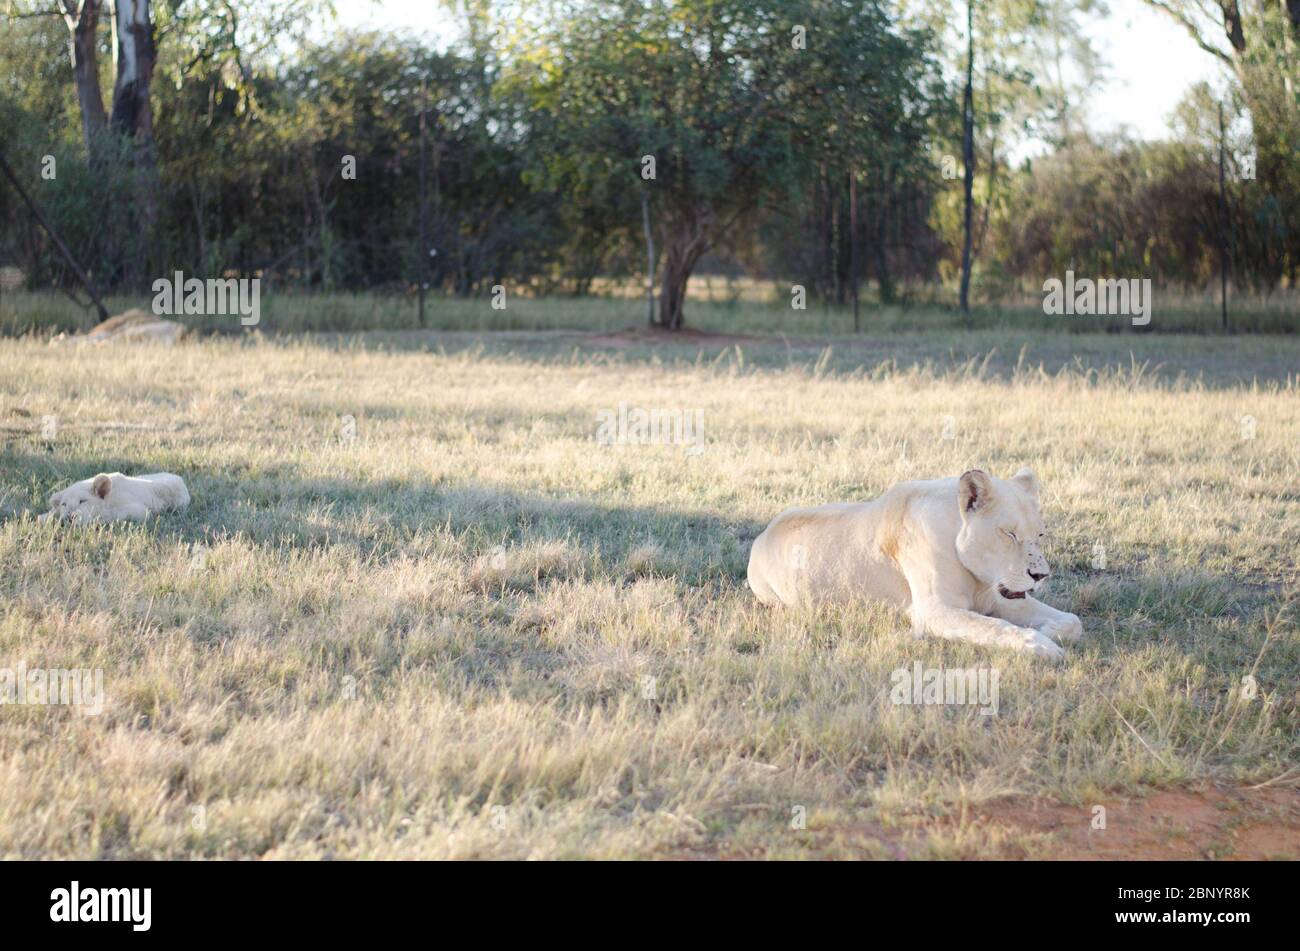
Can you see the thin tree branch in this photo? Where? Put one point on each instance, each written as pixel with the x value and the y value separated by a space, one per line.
pixel 1192 29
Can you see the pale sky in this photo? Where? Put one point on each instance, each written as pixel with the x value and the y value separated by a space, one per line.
pixel 1152 61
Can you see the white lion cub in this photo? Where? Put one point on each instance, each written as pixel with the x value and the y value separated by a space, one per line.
pixel 961 554
pixel 113 497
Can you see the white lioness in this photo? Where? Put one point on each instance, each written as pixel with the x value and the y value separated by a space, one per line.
pixel 112 497
pixel 961 554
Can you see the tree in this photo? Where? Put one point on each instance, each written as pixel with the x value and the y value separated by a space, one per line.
pixel 678 98
pixel 83 23
pixel 717 106
pixel 1198 18
pixel 132 122
pixel 1023 64
pixel 797 141
pixel 133 37
pixel 132 115
pixel 1259 41
pixel 1064 64
pixel 968 155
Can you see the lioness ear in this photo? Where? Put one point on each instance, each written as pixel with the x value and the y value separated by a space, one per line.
pixel 1026 479
pixel 101 485
pixel 974 490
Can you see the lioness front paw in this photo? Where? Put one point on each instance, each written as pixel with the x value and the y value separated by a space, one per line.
pixel 1042 647
pixel 1066 629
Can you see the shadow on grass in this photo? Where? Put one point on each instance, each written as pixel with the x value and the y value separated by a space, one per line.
pixel 1167 359
pixel 385 519
pixel 1216 619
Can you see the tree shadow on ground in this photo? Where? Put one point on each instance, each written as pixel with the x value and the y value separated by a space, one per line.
pixel 1216 362
pixel 1214 617
pixel 382 519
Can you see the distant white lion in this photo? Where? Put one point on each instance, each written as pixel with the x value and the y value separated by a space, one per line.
pixel 960 554
pixel 134 324
pixel 113 497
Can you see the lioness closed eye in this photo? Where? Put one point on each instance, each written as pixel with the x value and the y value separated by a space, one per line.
pixel 961 554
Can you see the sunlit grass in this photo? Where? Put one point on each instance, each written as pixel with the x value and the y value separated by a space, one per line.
pixel 470 630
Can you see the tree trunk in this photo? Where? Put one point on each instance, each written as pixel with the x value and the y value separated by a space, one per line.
pixel 686 241
pixel 883 277
pixel 672 293
pixel 133 36
pixel 827 278
pixel 968 153
pixel 1232 25
pixel 422 253
pixel 679 261
pixel 82 24
pixel 1223 227
pixel 132 118
pixel 837 275
pixel 853 248
pixel 649 257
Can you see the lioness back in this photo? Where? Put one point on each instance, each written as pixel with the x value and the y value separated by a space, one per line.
pixel 838 551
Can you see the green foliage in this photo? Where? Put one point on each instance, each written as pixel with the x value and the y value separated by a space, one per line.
pixel 1119 208
pixel 739 108
pixel 819 165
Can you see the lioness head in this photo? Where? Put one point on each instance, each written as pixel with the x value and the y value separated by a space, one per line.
pixel 88 500
pixel 1001 531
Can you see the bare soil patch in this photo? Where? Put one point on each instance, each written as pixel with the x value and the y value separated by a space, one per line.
pixel 1205 823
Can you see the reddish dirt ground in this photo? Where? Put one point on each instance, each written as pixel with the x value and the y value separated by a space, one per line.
pixel 1191 824
pixel 1205 823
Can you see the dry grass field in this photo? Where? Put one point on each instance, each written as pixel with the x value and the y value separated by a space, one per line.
pixel 417 609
